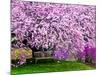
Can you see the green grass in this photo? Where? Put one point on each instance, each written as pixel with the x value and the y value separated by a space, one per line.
pixel 42 67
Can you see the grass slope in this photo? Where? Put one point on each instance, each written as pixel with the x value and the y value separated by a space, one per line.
pixel 50 67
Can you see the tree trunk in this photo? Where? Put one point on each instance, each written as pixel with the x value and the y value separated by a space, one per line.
pixel 25 42
pixel 33 56
pixel 33 50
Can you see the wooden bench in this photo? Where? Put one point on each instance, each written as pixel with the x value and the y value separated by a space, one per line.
pixel 43 55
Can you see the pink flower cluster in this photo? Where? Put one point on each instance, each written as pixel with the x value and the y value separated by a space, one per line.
pixel 69 26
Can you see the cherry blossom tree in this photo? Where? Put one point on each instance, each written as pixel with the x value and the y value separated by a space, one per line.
pixel 68 27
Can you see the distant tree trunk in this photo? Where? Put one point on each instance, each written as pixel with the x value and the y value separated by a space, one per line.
pixel 87 58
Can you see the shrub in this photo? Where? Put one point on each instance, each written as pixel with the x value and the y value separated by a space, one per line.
pixel 60 54
pixel 90 54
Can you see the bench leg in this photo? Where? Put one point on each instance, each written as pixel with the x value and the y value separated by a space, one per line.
pixel 36 61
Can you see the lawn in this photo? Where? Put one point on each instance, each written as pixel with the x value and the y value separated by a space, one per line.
pixel 50 66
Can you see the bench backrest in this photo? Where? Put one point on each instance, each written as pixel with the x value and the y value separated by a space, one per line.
pixel 43 54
